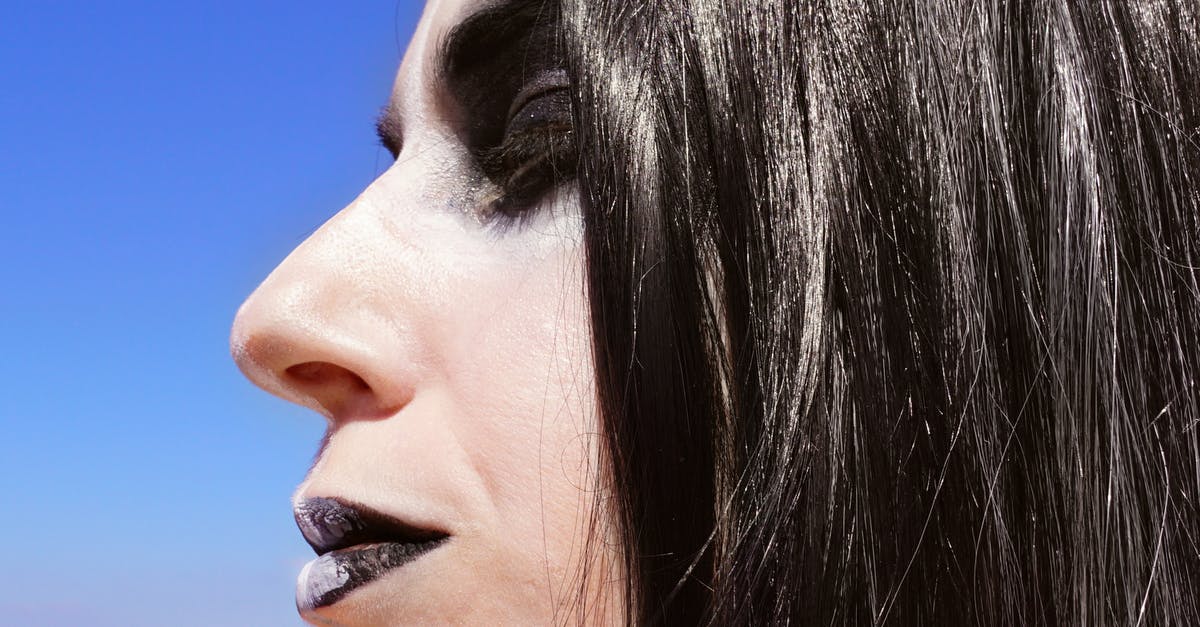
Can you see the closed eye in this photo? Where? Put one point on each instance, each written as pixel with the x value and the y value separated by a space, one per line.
pixel 537 153
pixel 504 72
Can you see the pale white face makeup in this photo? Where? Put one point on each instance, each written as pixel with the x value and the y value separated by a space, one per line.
pixel 451 359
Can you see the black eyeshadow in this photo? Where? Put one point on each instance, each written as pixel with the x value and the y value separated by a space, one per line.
pixel 489 58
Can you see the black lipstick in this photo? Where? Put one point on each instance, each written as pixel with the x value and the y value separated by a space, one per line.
pixel 356 545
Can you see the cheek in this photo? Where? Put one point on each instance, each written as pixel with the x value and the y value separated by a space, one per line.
pixel 525 379
pixel 522 381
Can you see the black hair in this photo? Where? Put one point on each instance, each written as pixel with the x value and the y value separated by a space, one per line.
pixel 896 306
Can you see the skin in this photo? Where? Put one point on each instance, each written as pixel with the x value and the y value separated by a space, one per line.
pixel 451 359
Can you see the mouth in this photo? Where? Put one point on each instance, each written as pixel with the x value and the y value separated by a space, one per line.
pixel 355 545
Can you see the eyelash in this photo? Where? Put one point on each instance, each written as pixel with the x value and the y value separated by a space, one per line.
pixel 536 154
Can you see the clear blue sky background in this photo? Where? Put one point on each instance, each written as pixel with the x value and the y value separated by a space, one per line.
pixel 157 159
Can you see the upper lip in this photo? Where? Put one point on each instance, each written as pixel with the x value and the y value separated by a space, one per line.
pixel 330 523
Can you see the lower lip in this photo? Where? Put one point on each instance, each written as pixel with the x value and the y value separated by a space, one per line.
pixel 329 578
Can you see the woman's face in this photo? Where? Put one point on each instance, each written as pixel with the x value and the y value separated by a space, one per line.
pixel 439 324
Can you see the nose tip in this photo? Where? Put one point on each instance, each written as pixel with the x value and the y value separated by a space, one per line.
pixel 314 370
pixel 298 338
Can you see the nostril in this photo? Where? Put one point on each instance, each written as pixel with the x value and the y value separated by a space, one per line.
pixel 334 387
pixel 325 373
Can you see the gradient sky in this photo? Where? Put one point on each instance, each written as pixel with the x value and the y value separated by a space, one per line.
pixel 157 159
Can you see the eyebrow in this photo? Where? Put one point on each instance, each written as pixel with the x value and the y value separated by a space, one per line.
pixel 471 56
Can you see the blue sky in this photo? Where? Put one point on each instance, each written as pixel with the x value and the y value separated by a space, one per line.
pixel 157 159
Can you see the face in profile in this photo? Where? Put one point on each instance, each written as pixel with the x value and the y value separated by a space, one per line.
pixel 439 324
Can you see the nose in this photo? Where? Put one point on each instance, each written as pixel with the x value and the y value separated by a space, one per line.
pixel 317 333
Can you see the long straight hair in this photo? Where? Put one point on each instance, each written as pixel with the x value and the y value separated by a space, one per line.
pixel 895 305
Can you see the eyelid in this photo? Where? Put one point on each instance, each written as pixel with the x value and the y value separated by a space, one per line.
pixel 542 84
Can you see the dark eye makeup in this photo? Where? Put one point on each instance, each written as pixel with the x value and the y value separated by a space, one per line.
pixel 505 69
pixel 536 153
pixel 504 79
